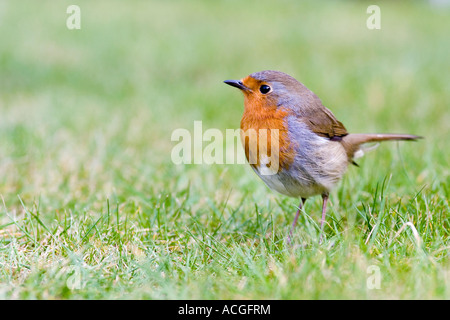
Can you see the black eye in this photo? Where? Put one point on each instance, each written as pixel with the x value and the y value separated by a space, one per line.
pixel 264 89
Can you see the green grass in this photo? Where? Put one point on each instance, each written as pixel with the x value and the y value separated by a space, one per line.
pixel 92 206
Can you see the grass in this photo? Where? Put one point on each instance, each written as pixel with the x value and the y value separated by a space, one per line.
pixel 92 206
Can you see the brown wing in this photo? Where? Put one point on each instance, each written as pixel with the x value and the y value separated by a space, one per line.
pixel 321 120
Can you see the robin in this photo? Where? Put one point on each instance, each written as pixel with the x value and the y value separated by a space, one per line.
pixel 312 148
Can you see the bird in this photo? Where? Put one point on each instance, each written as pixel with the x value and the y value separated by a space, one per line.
pixel 305 150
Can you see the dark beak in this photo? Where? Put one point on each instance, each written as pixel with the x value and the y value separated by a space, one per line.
pixel 236 83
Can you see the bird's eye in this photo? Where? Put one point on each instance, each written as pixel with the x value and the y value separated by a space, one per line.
pixel 264 89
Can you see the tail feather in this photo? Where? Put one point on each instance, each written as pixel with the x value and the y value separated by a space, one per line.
pixel 352 142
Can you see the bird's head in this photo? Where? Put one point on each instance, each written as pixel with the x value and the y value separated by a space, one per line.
pixel 269 90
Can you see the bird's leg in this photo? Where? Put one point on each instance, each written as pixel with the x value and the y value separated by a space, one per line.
pixel 302 202
pixel 324 210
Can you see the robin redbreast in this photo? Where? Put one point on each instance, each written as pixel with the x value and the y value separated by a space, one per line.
pixel 312 148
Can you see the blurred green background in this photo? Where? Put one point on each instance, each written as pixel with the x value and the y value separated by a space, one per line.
pixel 87 115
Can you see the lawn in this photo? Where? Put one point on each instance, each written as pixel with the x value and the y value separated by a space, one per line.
pixel 93 207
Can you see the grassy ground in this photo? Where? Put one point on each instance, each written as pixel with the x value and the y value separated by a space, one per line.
pixel 92 206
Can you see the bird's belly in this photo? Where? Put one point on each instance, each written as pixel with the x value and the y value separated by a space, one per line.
pixel 292 185
pixel 317 166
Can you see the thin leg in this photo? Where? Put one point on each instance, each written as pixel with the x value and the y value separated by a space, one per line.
pixel 324 210
pixel 300 206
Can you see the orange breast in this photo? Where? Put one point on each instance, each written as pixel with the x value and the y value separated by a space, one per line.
pixel 264 134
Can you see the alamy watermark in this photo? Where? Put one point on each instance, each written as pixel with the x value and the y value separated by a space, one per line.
pixel 374 277
pixel 75 280
pixel 73 21
pixel 261 147
pixel 374 20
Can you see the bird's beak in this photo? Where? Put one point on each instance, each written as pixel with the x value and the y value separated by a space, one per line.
pixel 236 83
